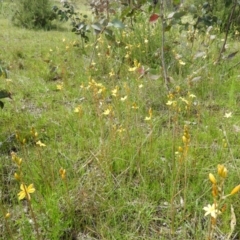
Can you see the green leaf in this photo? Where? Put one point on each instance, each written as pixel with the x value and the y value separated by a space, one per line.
pixel 117 24
pixel 176 15
pixel 97 26
pixel 1 104
pixel 80 26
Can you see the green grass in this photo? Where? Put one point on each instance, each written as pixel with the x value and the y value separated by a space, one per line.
pixel 125 176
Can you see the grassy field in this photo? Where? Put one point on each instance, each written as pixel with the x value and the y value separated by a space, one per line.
pixel 110 152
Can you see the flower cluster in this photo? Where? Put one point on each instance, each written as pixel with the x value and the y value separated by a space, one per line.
pixel 218 192
pixel 25 190
pixel 183 150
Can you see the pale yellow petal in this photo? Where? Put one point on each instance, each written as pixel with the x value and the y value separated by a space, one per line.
pixel 21 195
pixel 30 188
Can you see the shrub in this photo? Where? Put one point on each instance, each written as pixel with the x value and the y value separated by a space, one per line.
pixel 33 14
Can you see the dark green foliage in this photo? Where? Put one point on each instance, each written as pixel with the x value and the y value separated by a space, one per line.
pixel 235 21
pixel 4 94
pixel 33 14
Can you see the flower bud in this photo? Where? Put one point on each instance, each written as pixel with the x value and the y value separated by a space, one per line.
pixel 222 171
pixel 184 139
pixel 212 178
pixel 214 190
pixel 17 177
pixel 235 190
pixel 180 149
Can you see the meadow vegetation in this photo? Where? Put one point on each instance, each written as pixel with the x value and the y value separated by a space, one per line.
pixel 94 144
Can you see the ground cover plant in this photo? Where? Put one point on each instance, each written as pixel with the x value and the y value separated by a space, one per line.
pixel 105 137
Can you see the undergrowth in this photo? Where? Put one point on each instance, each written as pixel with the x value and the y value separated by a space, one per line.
pixel 93 146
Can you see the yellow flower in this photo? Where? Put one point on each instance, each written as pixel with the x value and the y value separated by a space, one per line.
pixel 132 69
pixel 222 171
pixel 121 129
pixel 7 215
pixel 17 176
pixel 235 190
pixel 192 96
pixel 184 139
pixel 59 86
pixel 62 173
pixel 173 103
pixel 150 115
pixel 39 143
pixel 123 98
pixel 180 149
pixel 107 112
pixel 228 115
pixel 111 73
pixel 114 91
pixel 33 132
pixel 181 62
pixel 212 178
pixel 78 109
pixel 25 191
pixel 16 159
pixel 127 55
pixel 212 210
pixel 184 100
pixel 134 106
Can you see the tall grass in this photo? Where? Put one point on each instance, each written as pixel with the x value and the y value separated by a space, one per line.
pixel 110 153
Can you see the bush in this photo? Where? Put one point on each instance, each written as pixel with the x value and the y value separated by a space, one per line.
pixel 33 14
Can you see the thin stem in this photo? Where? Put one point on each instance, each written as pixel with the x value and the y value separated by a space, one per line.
pixel 34 219
pixel 164 70
pixel 227 30
pixel 32 213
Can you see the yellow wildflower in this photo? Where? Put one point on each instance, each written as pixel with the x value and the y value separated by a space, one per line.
pixel 211 210
pixel 17 176
pixel 115 91
pixel 235 190
pixel 39 143
pixel 62 173
pixel 212 178
pixel 134 106
pixel 59 86
pixel 25 191
pixel 222 171
pixel 78 109
pixel 150 115
pixel 111 73
pixel 123 98
pixel 132 69
pixel 107 112
pixel 181 62
pixel 16 159
pixel 228 115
